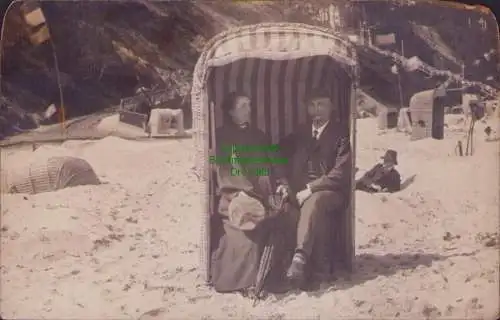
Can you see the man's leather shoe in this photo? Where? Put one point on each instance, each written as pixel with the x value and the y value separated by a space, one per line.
pixel 296 273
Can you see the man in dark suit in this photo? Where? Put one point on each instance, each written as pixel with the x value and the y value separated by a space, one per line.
pixel 319 176
pixel 383 177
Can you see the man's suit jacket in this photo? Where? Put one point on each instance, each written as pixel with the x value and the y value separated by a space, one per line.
pixel 335 157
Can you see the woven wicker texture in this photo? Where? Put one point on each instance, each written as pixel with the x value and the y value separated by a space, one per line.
pixel 276 64
pixel 50 174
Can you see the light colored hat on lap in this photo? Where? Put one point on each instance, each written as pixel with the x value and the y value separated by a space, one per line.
pixel 246 212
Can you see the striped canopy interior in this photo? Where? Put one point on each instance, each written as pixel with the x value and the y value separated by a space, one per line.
pixel 278 89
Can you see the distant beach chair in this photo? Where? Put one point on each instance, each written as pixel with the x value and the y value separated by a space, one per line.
pixel 421 107
pixel 166 122
pixel 49 174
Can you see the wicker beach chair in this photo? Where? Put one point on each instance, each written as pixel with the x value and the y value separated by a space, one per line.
pixel 276 64
pixel 47 174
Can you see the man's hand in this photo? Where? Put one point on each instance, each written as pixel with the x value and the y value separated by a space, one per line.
pixel 303 195
pixel 366 181
pixel 283 190
pixel 376 187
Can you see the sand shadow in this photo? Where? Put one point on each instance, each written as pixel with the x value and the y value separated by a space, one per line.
pixel 495 139
pixel 368 267
pixel 408 181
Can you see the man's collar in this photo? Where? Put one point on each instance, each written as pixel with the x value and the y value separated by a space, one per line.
pixel 320 129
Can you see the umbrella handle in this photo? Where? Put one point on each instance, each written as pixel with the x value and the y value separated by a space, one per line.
pixel 255 301
pixel 283 201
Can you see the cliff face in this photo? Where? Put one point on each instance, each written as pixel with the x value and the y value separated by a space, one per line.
pixel 106 49
pixel 437 34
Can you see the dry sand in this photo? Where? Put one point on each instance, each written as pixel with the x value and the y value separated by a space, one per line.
pixel 129 247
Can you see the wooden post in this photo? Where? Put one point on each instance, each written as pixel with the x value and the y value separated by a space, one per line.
pixel 369 35
pixel 363 25
pixel 2 42
pixel 212 151
pixel 460 148
pixel 463 75
pixel 62 115
pixel 351 219
pixel 361 33
pixel 400 88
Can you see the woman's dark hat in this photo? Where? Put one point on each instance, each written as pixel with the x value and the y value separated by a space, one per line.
pixel 391 156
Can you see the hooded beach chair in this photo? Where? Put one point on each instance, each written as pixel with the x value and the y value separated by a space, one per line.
pixel 276 64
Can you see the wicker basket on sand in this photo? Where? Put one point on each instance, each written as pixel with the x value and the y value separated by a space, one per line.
pixel 46 174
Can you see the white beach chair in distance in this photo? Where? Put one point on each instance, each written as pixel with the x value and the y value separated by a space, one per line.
pixel 166 122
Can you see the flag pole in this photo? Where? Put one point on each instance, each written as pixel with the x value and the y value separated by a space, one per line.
pixel 2 43
pixel 62 115
pixel 400 87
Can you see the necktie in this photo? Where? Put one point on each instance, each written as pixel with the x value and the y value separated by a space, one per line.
pixel 313 165
pixel 315 134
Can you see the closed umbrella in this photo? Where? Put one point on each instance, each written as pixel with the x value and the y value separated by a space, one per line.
pixel 268 254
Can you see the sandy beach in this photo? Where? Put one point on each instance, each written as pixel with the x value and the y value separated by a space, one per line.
pixel 128 248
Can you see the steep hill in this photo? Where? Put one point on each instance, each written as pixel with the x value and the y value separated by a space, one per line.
pixel 106 49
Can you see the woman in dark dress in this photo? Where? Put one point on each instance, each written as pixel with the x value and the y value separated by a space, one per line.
pixel 238 245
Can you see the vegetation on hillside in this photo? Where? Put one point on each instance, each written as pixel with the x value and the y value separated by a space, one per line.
pixel 106 50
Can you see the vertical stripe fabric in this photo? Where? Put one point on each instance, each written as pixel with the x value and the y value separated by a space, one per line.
pixel 278 89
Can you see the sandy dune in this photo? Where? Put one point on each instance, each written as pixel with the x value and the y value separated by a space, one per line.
pixel 129 247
